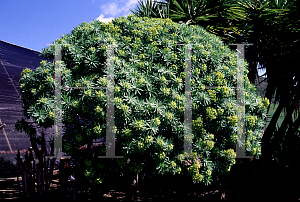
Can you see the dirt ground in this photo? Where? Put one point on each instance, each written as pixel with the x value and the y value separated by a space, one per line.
pixel 247 182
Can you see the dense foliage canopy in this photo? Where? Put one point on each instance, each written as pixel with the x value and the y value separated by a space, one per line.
pixel 149 96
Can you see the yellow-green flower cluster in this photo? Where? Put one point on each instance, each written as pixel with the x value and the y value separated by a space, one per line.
pixel 172 164
pixel 178 97
pixel 225 68
pixel 92 49
pixel 169 115
pixel 87 173
pixel 126 39
pixel 204 67
pixel 75 104
pixel 141 81
pixel 162 156
pixel 121 52
pixel 194 169
pixel 251 120
pixel 209 79
pixel 33 90
pixel 43 100
pixel 97 129
pixel 173 35
pixel 98 181
pixel 149 139
pixel 173 56
pixel 163 79
pixel 126 85
pixel 117 89
pixel 142 64
pixel 220 111
pixel 211 113
pixel 166 50
pixel 51 115
pixel 213 95
pixel 140 145
pixel 127 132
pixel 135 46
pixel 26 71
pixel 181 109
pixel 138 33
pixel 208 144
pixel 229 153
pixel 173 66
pixel 156 121
pixel 104 47
pixel 88 92
pixel 249 132
pixel 137 40
pixel 98 109
pixel 138 124
pixel 198 123
pixel 178 80
pixel 182 75
pixel 160 142
pixel 173 105
pixel 195 106
pixel 22 85
pixel 46 71
pixel 247 144
pixel 194 58
pixel 152 32
pixel 165 91
pixel 170 147
pixel 266 102
pixel 142 56
pixel 103 82
pixel 232 120
pixel 124 107
pixel 225 91
pixel 49 79
pixel 100 94
pixel 219 78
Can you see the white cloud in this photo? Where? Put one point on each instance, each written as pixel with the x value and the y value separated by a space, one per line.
pixel 102 19
pixel 116 10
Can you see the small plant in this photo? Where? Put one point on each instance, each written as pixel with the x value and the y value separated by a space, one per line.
pixel 7 168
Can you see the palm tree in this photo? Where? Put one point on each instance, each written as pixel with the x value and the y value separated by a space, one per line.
pixel 151 9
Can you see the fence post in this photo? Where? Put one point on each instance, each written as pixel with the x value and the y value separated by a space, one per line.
pixel 46 176
pixel 38 178
pixel 20 166
pixel 30 178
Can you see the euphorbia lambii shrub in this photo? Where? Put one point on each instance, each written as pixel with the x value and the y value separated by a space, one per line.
pixel 149 95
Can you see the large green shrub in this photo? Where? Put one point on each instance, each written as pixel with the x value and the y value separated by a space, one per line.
pixel 149 96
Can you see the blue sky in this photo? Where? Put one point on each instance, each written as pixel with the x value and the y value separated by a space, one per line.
pixel 34 23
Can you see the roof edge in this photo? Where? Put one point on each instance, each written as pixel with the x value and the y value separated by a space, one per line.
pixel 19 46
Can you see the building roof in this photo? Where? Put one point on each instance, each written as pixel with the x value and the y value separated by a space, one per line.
pixel 13 60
